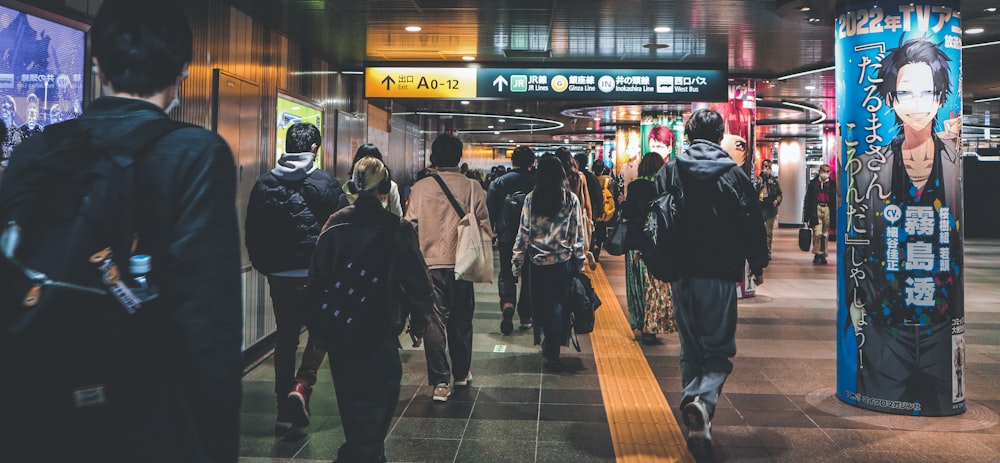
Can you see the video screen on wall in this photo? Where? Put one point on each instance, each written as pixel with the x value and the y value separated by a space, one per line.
pixel 41 75
pixel 292 110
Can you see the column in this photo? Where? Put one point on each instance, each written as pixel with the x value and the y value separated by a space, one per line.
pixel 900 307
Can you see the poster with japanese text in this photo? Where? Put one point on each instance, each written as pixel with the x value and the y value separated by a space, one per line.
pixel 901 309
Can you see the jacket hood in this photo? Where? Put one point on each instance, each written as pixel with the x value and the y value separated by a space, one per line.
pixel 295 166
pixel 704 160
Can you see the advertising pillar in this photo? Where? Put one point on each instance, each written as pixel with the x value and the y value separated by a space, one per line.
pixel 900 306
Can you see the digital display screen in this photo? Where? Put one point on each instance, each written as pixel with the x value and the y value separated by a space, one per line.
pixel 41 75
pixel 292 111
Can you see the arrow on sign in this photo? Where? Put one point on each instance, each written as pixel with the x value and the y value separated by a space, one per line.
pixel 499 82
pixel 388 81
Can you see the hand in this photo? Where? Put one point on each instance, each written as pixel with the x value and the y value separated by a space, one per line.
pixel 758 279
pixel 775 203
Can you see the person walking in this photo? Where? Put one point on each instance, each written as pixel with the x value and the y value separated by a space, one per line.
pixel 392 203
pixel 720 231
pixel 436 221
pixel 287 209
pixel 505 224
pixel 172 392
pixel 820 197
pixel 650 302
pixel 769 196
pixel 550 243
pixel 365 364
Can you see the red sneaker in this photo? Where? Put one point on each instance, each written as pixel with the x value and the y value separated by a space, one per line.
pixel 298 404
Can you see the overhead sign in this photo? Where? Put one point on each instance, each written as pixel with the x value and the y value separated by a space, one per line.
pixel 395 82
pixel 683 85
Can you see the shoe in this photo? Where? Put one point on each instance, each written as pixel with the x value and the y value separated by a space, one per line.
pixel 695 417
pixel 298 404
pixel 441 392
pixel 465 382
pixel 815 259
pixel 648 338
pixel 283 423
pixel 822 260
pixel 590 261
pixel 525 323
pixel 507 324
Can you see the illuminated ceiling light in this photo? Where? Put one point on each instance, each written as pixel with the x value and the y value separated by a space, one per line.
pixel 469 58
pixel 984 44
pixel 814 20
pixel 489 126
pixel 810 87
pixel 510 141
pixel 986 100
pixel 465 101
pixel 661 29
pixel 496 133
pixel 975 30
pixel 590 128
pixel 805 73
pixel 501 120
pixel 518 110
pixel 804 9
pixel 352 73
pixel 990 9
pixel 597 118
pixel 566 140
pixel 413 29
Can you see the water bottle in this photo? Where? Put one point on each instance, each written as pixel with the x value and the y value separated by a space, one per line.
pixel 139 267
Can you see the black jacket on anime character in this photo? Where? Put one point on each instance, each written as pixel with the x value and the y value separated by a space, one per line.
pixel 346 234
pixel 286 212
pixel 721 226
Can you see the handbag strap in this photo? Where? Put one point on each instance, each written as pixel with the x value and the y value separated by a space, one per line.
pixel 451 197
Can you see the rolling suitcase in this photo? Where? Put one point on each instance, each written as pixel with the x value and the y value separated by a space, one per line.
pixel 805 238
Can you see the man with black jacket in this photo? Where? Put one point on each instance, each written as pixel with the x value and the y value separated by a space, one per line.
pixel 505 224
pixel 286 212
pixel 720 229
pixel 819 201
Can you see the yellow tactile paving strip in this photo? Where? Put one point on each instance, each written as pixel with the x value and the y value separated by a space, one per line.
pixel 643 427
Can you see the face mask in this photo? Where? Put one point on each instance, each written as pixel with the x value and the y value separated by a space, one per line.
pixel 824 177
pixel 177 100
pixel 765 172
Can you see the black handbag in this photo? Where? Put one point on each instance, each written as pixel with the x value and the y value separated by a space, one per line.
pixel 615 245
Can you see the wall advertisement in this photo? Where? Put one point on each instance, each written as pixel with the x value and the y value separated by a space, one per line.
pixel 901 315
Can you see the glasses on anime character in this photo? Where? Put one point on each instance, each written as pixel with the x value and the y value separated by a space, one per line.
pixel 907 95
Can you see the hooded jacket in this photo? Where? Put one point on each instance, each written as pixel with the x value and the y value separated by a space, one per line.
pixel 286 212
pixel 721 225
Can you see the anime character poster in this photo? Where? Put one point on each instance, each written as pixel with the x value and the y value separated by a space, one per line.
pixel 629 152
pixel 41 75
pixel 662 133
pixel 291 111
pixel 901 312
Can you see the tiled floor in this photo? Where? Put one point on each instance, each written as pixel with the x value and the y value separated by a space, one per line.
pixel 777 405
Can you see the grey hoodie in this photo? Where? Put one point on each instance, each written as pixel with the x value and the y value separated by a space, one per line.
pixel 293 167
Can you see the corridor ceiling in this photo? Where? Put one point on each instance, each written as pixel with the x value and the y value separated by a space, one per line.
pixel 760 39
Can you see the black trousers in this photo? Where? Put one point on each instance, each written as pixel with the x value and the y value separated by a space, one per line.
pixel 449 328
pixel 507 283
pixel 908 364
pixel 549 290
pixel 367 383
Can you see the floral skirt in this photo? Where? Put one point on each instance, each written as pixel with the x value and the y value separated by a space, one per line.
pixel 650 301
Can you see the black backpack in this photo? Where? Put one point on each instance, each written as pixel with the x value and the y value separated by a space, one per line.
pixel 662 227
pixel 70 221
pixel 353 304
pixel 511 213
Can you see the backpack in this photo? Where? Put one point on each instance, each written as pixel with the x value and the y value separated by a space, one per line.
pixel 511 213
pixel 70 223
pixel 609 202
pixel 352 305
pixel 662 227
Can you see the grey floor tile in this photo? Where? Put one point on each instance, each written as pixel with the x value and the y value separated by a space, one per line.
pixel 493 451
pixel 507 394
pixel 573 396
pixel 421 450
pixel 577 412
pixel 577 451
pixel 503 430
pixel 428 428
pixel 505 411
pixel 571 430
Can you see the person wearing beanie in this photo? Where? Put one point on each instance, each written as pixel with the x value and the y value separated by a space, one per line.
pixel 288 206
pixel 386 269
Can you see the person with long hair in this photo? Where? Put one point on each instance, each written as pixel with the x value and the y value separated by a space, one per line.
pixel 650 303
pixel 391 202
pixel 578 186
pixel 550 239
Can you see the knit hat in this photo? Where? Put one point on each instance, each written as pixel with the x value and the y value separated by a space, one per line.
pixel 369 172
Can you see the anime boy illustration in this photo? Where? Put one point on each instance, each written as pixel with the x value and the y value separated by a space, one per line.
pixel 904 200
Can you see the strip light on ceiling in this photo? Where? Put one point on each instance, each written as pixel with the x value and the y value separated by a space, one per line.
pixel 821 113
pixel 805 73
pixel 554 124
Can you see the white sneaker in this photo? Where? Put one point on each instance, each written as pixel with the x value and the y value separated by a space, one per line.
pixel 441 392
pixel 465 382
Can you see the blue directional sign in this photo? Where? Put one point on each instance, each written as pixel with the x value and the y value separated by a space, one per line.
pixel 603 84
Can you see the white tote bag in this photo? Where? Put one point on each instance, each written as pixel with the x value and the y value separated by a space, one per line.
pixel 474 249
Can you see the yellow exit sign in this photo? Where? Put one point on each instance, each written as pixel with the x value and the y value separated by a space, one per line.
pixel 403 82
